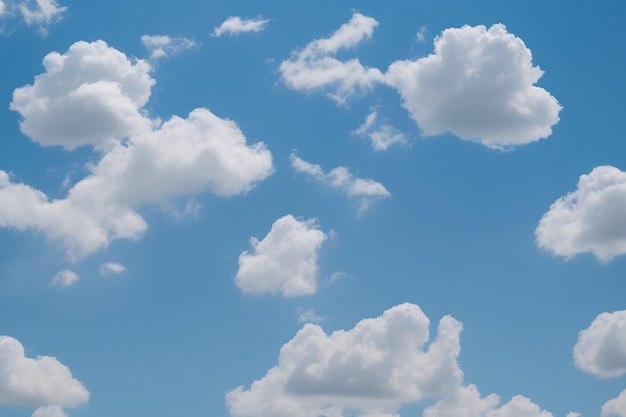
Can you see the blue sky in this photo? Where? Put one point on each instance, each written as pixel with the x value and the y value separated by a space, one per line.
pixel 324 209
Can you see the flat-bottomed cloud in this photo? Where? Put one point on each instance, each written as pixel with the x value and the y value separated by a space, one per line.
pixel 284 262
pixel 478 85
pixel 590 219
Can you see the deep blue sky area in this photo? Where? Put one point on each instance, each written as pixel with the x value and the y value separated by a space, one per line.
pixel 194 196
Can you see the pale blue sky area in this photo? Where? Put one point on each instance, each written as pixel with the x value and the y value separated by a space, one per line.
pixel 371 209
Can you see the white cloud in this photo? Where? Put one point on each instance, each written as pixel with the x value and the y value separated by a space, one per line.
pixel 382 135
pixel 315 68
pixel 601 348
pixel 164 46
pixel 39 382
pixel 573 414
pixel 478 85
pixel 370 370
pixel 111 268
pixel 466 402
pixel 284 262
pixel 183 157
pixel 590 219
pixel 308 316
pixel 65 278
pixel 49 411
pixel 235 25
pixel 42 13
pixel 366 191
pixel 615 407
pixel 91 95
pixel 2 8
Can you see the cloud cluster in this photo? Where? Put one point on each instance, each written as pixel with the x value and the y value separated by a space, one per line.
pixel 374 368
pixel 382 135
pixel 478 85
pixel 43 382
pixel 161 46
pixel 235 25
pixel 92 95
pixel 315 68
pixel 590 219
pixel 366 191
pixel 467 402
pixel 601 348
pixel 284 262
pixel 615 407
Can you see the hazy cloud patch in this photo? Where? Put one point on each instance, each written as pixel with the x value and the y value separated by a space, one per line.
pixel 161 46
pixel 65 278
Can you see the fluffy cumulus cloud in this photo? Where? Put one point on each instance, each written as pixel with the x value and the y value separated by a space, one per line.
pixel 467 402
pixel 601 348
pixel 381 134
pixel 615 407
pixel 590 219
pixel 42 382
pixel 315 67
pixel 235 25
pixel 479 84
pixel 183 157
pixel 284 262
pixel 365 191
pixel 65 278
pixel 161 46
pixel 91 95
pixel 370 370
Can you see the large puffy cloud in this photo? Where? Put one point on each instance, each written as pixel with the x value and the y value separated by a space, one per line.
pixel 315 67
pixel 42 382
pixel 479 85
pixel 183 157
pixel 235 25
pixel 366 191
pixel 91 95
pixel 590 219
pixel 615 407
pixel 601 348
pixel 284 262
pixel 372 369
pixel 467 402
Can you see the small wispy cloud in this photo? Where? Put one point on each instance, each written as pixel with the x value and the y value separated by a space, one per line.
pixel 366 191
pixel 382 135
pixel 111 268
pixel 161 46
pixel 235 25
